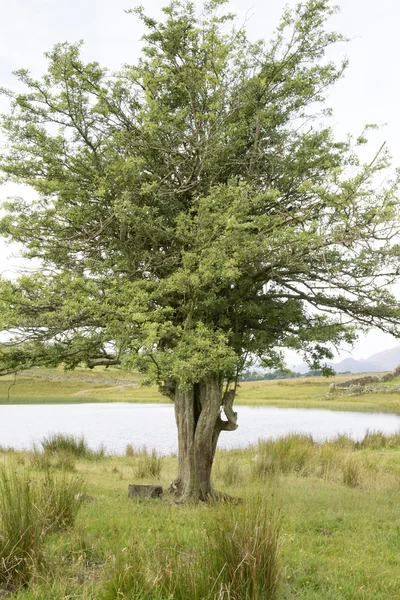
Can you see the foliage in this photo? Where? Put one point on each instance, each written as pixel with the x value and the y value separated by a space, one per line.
pixel 193 209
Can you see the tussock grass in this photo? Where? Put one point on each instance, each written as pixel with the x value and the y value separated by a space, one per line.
pixel 351 472
pixel 44 461
pixel 236 556
pixel 21 529
pixel 125 576
pixel 57 501
pixel 129 451
pixel 231 472
pixel 148 464
pixel 30 508
pixel 377 440
pixel 340 459
pixel 61 443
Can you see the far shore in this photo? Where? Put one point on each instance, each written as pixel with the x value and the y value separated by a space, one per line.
pixel 55 386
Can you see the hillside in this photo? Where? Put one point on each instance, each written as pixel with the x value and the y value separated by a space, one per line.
pixel 387 360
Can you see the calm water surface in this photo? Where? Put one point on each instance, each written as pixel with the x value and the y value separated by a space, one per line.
pixel 153 425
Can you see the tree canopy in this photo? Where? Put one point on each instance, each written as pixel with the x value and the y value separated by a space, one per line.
pixel 194 210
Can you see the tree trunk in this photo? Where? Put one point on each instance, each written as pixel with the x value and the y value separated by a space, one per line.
pixel 199 423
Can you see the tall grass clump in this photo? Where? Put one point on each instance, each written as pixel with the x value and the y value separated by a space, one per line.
pixel 351 472
pixel 291 454
pixel 70 444
pixel 124 577
pixel 44 461
pixel 376 440
pixel 148 464
pixel 58 500
pixel 29 509
pixel 235 558
pixel 343 442
pixel 129 451
pixel 22 529
pixel 231 472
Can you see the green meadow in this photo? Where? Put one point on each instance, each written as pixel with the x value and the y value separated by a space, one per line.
pixel 317 521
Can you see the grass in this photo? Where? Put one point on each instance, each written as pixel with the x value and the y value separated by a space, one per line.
pixel 148 464
pixel 30 508
pixel 296 393
pixel 318 521
pixel 61 443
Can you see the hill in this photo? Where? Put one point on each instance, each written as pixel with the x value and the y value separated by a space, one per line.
pixel 387 360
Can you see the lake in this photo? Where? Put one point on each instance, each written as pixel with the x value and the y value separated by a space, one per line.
pixel 153 425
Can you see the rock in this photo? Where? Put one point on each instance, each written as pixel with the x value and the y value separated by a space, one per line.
pixel 144 491
pixel 83 498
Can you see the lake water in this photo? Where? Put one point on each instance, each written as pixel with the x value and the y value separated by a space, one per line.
pixel 153 425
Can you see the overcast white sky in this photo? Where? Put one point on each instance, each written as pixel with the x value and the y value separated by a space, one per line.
pixel 369 93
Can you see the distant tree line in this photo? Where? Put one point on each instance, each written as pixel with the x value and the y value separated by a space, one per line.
pixel 255 376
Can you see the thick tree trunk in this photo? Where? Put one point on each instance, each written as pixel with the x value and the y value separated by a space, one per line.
pixel 199 423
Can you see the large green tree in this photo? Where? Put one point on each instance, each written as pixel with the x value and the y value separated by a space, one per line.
pixel 194 212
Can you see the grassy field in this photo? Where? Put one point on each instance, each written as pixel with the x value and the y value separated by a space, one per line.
pixel 74 387
pixel 332 510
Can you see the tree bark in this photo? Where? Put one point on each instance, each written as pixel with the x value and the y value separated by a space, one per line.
pixel 198 419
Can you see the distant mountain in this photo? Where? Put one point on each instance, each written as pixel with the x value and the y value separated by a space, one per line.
pixel 387 360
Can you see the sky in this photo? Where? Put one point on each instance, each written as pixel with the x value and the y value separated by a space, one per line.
pixel 369 92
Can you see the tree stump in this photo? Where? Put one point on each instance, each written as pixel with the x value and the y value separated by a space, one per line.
pixel 144 491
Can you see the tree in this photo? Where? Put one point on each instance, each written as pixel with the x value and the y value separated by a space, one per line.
pixel 194 211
